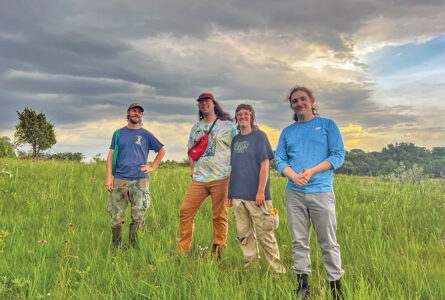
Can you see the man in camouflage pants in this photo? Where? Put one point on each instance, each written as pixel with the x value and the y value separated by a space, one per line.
pixel 130 184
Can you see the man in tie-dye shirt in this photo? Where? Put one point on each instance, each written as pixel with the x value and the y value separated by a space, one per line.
pixel 210 174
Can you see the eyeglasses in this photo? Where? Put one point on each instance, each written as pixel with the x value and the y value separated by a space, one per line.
pixel 295 100
pixel 241 114
pixel 205 100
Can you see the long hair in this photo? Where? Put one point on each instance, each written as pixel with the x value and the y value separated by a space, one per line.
pixel 310 95
pixel 219 111
pixel 248 107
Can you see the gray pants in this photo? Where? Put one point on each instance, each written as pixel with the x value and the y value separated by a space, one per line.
pixel 302 208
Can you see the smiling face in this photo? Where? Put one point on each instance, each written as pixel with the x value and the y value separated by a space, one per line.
pixel 134 115
pixel 301 104
pixel 206 106
pixel 244 118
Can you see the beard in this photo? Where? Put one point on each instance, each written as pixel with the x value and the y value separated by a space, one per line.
pixel 134 121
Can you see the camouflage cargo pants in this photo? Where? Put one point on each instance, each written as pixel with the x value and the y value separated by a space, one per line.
pixel 134 192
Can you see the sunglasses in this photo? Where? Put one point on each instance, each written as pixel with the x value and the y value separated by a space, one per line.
pixel 205 100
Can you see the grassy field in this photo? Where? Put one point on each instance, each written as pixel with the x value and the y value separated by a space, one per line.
pixel 55 241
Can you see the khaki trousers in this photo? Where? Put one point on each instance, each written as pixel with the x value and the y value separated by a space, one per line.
pixel 196 194
pixel 256 221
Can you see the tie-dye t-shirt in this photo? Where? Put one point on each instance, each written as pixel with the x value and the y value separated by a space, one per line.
pixel 214 164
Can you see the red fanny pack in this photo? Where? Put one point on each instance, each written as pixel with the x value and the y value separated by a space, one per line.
pixel 200 146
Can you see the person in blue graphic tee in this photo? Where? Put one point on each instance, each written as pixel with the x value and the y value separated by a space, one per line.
pixel 307 153
pixel 130 184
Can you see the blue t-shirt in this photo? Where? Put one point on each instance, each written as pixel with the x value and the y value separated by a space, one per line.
pixel 134 145
pixel 305 145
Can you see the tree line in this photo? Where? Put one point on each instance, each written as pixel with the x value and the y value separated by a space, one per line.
pixel 398 157
pixel 35 130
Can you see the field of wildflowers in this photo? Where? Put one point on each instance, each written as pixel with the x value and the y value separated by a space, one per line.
pixel 55 240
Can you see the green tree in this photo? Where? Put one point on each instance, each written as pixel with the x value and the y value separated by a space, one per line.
pixel 33 129
pixel 6 147
pixel 438 162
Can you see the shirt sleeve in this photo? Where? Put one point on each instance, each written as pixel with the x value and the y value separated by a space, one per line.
pixel 154 143
pixel 190 141
pixel 233 132
pixel 336 149
pixel 281 156
pixel 264 149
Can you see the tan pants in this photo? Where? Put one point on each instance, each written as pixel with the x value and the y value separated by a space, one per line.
pixel 256 221
pixel 194 197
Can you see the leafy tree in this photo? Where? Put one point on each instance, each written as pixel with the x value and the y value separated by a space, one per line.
pixel 33 129
pixel 359 163
pixel 6 147
pixel 389 166
pixel 438 152
pixel 408 153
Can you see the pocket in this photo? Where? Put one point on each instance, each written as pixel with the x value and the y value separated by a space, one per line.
pixel 269 222
pixel 331 197
pixel 146 198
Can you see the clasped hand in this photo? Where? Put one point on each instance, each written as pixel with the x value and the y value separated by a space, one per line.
pixel 302 178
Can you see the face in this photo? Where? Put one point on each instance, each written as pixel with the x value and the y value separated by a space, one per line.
pixel 206 105
pixel 243 117
pixel 135 115
pixel 301 104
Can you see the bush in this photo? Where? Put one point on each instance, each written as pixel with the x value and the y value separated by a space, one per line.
pixel 6 147
pixel 405 175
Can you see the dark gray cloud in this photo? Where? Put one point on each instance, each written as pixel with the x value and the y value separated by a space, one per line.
pixel 81 61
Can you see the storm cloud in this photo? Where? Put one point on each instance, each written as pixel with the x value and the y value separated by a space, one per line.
pixel 82 62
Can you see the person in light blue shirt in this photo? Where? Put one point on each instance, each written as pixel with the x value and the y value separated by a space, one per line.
pixel 308 152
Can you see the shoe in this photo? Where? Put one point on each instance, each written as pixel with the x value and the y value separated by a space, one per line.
pixel 303 289
pixel 216 251
pixel 336 290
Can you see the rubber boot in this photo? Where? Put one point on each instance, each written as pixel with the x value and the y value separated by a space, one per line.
pixel 302 286
pixel 117 236
pixel 337 293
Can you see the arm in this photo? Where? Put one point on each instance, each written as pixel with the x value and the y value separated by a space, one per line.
pixel 264 173
pixel 192 166
pixel 336 153
pixel 336 150
pixel 298 179
pixel 155 163
pixel 321 167
pixel 281 156
pixel 190 144
pixel 283 165
pixel 109 183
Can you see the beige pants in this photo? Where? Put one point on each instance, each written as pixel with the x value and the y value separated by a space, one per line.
pixel 256 221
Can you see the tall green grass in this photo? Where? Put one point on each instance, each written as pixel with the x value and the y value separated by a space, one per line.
pixel 392 239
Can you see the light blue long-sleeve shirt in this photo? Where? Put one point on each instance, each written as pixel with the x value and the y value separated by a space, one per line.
pixel 305 145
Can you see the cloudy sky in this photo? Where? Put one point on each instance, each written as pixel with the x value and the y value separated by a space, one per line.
pixel 376 67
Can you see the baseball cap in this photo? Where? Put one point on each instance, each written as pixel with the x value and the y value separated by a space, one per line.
pixel 133 105
pixel 205 96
